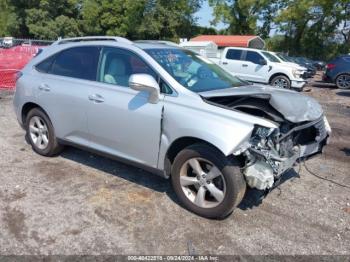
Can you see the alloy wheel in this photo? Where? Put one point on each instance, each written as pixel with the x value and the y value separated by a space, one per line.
pixel 343 81
pixel 280 82
pixel 202 183
pixel 38 132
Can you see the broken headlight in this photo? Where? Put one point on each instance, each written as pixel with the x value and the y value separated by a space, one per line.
pixel 262 131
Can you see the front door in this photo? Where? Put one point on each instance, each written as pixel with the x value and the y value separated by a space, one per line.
pixel 120 120
pixel 252 68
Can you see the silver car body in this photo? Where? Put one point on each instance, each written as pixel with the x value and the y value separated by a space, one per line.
pixel 121 122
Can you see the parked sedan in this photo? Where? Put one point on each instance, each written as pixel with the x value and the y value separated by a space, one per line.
pixel 338 72
pixel 306 63
pixel 310 70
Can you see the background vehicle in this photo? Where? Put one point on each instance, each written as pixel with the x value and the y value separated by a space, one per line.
pixel 260 66
pixel 310 72
pixel 320 65
pixel 306 63
pixel 7 42
pixel 169 111
pixel 299 67
pixel 338 72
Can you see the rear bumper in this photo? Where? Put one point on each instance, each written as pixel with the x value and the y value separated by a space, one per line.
pixel 327 78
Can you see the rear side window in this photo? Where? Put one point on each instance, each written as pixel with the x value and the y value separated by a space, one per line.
pixel 78 62
pixel 45 65
pixel 253 57
pixel 234 54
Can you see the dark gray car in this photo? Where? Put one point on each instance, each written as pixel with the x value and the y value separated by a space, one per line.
pixel 338 72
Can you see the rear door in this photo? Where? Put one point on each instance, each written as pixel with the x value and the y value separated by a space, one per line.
pixel 64 88
pixel 252 70
pixel 231 61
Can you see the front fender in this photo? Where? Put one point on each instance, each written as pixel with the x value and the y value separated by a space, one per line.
pixel 218 131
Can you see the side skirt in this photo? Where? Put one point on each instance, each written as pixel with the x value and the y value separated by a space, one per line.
pixel 152 170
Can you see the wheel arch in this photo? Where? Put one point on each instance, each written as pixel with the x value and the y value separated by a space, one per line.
pixel 184 142
pixel 278 74
pixel 26 109
pixel 341 73
pixel 181 143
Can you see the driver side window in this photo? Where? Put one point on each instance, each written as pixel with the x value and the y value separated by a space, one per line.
pixel 117 65
pixel 253 57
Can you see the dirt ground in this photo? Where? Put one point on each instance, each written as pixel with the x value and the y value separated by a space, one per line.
pixel 80 203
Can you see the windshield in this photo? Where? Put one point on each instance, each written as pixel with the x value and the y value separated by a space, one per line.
pixel 193 71
pixel 283 58
pixel 271 57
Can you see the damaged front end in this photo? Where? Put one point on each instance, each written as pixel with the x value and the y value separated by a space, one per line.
pixel 271 152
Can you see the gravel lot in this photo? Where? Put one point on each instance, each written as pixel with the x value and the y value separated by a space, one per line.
pixel 79 203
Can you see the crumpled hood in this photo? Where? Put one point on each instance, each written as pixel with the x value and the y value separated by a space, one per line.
pixel 294 106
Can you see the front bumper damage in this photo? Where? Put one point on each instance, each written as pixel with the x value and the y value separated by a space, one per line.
pixel 298 84
pixel 266 165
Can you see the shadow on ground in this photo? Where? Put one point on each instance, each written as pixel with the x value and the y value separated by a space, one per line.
pixel 346 151
pixel 344 93
pixel 321 84
pixel 252 198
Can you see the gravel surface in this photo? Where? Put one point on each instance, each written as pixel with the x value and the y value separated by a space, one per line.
pixel 80 203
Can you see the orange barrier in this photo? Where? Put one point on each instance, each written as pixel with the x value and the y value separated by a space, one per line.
pixel 8 78
pixel 13 60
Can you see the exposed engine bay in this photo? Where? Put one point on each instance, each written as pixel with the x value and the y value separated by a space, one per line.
pixel 271 152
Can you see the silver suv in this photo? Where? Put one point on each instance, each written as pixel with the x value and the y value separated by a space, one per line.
pixel 170 111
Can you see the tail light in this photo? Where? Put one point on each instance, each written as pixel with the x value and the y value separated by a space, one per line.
pixel 330 66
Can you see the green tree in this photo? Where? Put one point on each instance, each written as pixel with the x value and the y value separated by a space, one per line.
pixel 240 15
pixel 4 13
pixel 148 19
pixel 311 26
pixel 44 18
pixel 164 19
pixel 8 19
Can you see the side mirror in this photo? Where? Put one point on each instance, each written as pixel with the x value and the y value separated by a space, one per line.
pixel 262 62
pixel 145 82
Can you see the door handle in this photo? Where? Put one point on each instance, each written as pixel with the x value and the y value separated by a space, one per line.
pixel 96 98
pixel 224 63
pixel 44 87
pixel 244 65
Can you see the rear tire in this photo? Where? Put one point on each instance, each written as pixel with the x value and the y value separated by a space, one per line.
pixel 343 81
pixel 40 133
pixel 206 182
pixel 281 81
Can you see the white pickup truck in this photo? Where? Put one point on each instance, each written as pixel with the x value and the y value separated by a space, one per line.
pixel 260 66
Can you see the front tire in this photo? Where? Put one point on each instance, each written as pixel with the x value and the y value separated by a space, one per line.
pixel 343 81
pixel 281 81
pixel 206 182
pixel 40 133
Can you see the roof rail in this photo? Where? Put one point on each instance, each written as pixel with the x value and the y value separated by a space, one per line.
pixel 92 38
pixel 163 42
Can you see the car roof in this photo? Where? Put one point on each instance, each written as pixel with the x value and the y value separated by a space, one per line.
pixel 155 46
pixel 246 48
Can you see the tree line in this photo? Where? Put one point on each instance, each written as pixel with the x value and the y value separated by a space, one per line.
pixel 315 28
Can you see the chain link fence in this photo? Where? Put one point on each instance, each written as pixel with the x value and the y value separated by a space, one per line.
pixel 14 55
